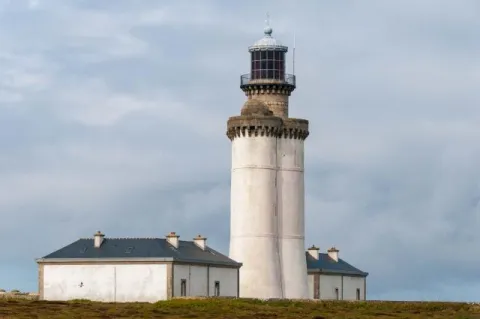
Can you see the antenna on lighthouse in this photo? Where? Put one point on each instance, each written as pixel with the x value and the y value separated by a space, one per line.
pixel 293 63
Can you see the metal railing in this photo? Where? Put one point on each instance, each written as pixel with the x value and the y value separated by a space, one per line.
pixel 247 79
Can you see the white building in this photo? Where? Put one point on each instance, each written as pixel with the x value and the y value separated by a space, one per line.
pixel 332 278
pixel 136 269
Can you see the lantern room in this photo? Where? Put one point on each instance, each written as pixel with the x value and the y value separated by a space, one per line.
pixel 268 62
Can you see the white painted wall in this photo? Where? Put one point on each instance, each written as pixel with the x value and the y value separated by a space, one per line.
pixel 196 277
pixel 200 280
pixel 253 224
pixel 311 287
pixel 291 214
pixel 328 283
pixel 228 281
pixel 108 283
pixel 350 286
pixel 268 216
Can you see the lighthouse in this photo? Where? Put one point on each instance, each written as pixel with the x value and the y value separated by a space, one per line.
pixel 267 213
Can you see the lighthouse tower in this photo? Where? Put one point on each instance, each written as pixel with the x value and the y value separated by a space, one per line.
pixel 267 182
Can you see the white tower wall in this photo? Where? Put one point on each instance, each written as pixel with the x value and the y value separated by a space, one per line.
pixel 253 234
pixel 291 212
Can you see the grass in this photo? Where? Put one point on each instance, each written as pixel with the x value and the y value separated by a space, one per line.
pixel 237 308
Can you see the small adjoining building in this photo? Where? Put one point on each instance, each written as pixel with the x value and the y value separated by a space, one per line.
pixel 136 270
pixel 331 278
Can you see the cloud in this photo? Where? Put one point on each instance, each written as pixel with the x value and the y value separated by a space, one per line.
pixel 113 117
pixel 21 75
pixel 32 4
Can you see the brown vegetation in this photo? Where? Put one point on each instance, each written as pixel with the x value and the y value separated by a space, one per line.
pixel 237 308
pixel 17 295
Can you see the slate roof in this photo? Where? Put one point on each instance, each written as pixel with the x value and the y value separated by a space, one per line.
pixel 325 264
pixel 139 248
pixel 187 251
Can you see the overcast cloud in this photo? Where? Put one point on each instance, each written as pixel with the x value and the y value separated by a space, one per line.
pixel 113 117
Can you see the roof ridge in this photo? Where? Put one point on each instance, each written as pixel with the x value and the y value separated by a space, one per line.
pixel 182 240
pixel 89 238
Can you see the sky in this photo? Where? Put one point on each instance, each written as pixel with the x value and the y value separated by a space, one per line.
pixel 113 118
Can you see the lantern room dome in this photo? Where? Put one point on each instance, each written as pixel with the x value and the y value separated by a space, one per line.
pixel 268 42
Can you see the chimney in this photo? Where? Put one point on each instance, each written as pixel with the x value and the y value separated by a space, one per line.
pixel 98 239
pixel 333 253
pixel 313 251
pixel 172 239
pixel 200 241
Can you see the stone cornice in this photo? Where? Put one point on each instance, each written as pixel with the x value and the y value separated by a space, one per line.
pixel 295 128
pixel 247 126
pixel 269 126
pixel 268 88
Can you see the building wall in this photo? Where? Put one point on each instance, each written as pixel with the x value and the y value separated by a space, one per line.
pixel 310 287
pixel 350 286
pixel 196 277
pixel 200 280
pixel 107 283
pixel 291 214
pixel 347 287
pixel 328 284
pixel 228 281
pixel 253 223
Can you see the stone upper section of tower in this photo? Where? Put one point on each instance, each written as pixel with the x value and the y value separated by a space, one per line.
pixel 256 119
pixel 255 107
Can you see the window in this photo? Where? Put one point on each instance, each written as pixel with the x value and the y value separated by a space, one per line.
pixel 268 65
pixel 183 287
pixel 217 288
pixel 358 294
pixel 336 293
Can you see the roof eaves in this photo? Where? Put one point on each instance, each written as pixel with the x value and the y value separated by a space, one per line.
pixel 209 262
pixel 338 272
pixel 112 259
pixel 137 259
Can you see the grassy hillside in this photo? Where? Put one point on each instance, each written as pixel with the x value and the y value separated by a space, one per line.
pixel 239 308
